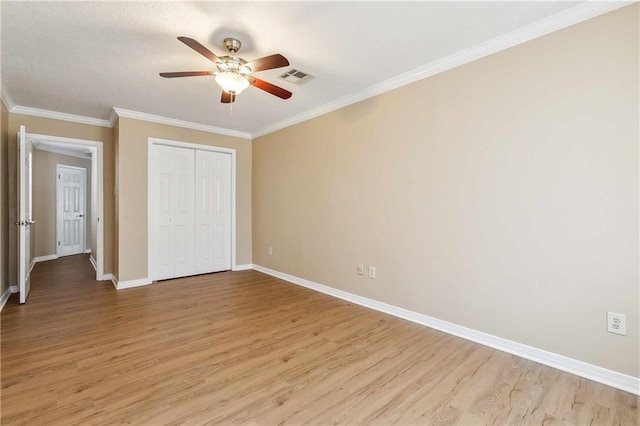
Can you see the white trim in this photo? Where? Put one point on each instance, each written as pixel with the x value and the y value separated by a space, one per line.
pixel 113 117
pixel 179 144
pixel 87 251
pixel 5 297
pixel 33 263
pixel 14 289
pixel 180 123
pixel 45 113
pixel 120 285
pixel 589 371
pixel 97 164
pixel 95 267
pixel 63 151
pixel 6 99
pixel 45 258
pixel 112 278
pixel 558 21
pixel 244 267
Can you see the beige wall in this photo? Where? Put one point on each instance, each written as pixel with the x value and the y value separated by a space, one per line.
pixel 51 127
pixel 132 190
pixel 4 200
pixel 501 195
pixel 44 199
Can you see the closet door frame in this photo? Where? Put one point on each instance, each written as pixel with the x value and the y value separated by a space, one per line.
pixel 180 144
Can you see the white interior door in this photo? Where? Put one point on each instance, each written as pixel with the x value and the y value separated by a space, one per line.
pixel 25 219
pixel 205 200
pixel 162 231
pixel 184 217
pixel 213 211
pixel 222 212
pixel 70 205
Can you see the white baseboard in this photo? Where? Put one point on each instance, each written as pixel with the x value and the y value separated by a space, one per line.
pixel 588 371
pixel 244 267
pixel 113 279
pixel 87 251
pixel 120 285
pixel 14 289
pixel 5 296
pixel 33 263
pixel 45 258
pixel 93 263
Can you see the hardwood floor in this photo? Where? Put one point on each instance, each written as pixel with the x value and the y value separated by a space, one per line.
pixel 246 348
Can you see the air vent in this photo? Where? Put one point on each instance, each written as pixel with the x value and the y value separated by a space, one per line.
pixel 296 77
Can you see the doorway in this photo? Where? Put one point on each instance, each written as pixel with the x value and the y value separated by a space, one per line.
pixel 90 236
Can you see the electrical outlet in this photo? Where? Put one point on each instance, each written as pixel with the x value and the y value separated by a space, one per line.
pixel 616 323
pixel 372 271
pixel 360 269
pixel 270 251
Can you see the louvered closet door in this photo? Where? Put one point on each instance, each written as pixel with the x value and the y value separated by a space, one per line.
pixel 213 211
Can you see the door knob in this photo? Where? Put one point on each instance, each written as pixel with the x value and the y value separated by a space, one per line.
pixel 79 215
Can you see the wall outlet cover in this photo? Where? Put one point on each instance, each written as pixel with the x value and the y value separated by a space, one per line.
pixel 616 323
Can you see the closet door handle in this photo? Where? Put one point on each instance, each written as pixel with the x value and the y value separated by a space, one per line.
pixel 79 215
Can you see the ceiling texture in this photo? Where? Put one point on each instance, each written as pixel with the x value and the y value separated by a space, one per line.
pixel 84 58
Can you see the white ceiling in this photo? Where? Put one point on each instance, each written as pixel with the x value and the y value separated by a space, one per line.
pixel 84 58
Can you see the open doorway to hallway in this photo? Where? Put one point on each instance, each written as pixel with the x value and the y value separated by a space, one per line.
pixel 67 180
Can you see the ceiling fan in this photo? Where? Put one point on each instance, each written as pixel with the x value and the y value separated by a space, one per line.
pixel 234 73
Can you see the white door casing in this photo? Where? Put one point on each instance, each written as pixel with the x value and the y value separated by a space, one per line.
pixel 25 220
pixel 70 209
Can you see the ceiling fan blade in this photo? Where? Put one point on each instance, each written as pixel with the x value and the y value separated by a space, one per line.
pixel 227 98
pixel 199 48
pixel 268 62
pixel 270 88
pixel 184 74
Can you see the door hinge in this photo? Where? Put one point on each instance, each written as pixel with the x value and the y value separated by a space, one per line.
pixel 58 242
pixel 58 176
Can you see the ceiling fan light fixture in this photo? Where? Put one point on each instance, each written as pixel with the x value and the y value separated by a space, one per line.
pixel 232 82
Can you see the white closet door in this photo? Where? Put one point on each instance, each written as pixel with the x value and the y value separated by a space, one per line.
pixel 184 215
pixel 162 193
pixel 222 212
pixel 213 211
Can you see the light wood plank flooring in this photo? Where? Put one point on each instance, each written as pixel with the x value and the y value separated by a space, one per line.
pixel 246 348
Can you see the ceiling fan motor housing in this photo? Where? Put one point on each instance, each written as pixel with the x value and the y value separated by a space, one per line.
pixel 232 44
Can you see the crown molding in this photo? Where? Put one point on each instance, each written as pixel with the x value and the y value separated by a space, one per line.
pixel 44 113
pixel 6 99
pixel 113 117
pixel 180 123
pixel 558 21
